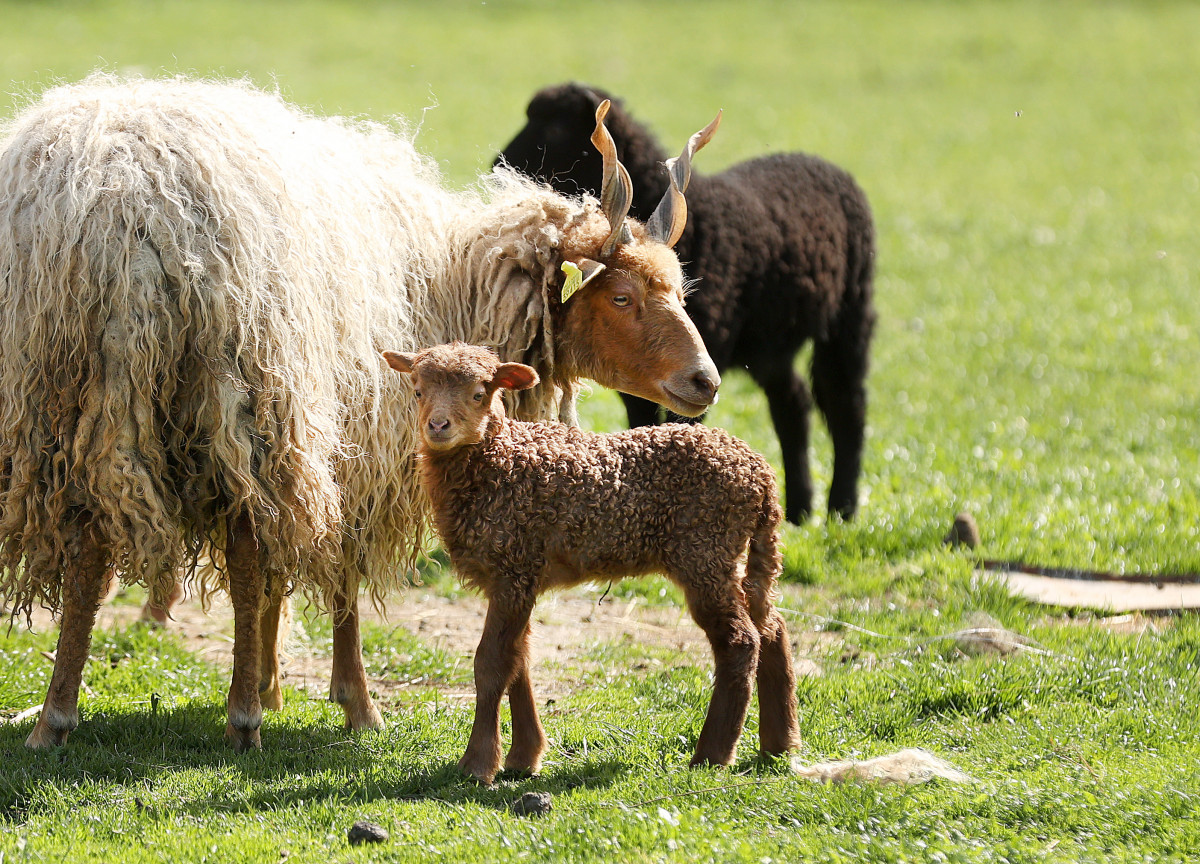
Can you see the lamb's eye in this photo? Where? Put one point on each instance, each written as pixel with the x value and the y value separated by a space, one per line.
pixel 478 397
pixel 621 300
pixel 417 393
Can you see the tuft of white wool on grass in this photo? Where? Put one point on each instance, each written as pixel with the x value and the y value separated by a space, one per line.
pixel 908 767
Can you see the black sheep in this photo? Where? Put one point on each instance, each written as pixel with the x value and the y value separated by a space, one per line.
pixel 782 249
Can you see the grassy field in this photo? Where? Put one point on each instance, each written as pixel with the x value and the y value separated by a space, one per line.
pixel 1034 174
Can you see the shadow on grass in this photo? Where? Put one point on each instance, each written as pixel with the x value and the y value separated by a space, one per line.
pixel 441 784
pixel 300 762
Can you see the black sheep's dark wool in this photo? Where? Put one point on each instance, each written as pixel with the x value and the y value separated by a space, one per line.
pixel 782 249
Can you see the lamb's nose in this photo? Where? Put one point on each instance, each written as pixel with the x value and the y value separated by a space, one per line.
pixel 439 425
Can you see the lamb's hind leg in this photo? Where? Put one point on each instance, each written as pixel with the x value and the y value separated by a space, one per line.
pixel 529 738
pixel 719 607
pixel 348 681
pixel 85 578
pixel 244 570
pixel 496 665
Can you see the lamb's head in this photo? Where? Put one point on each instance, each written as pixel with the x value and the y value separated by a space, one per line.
pixel 457 389
pixel 620 312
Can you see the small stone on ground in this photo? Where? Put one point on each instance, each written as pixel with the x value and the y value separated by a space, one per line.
pixel 533 804
pixel 964 531
pixel 363 831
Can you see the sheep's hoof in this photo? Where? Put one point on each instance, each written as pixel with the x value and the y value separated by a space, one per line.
pixel 270 695
pixel 44 736
pixel 472 767
pixel 363 719
pixel 699 761
pixel 519 765
pixel 242 740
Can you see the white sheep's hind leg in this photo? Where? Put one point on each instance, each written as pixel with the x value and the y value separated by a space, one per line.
pixel 496 664
pixel 245 591
pixel 85 579
pixel 276 619
pixel 529 738
pixel 348 680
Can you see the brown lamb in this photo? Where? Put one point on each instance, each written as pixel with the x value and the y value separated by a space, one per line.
pixel 526 507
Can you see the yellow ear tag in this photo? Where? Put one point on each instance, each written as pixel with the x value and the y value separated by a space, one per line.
pixel 574 280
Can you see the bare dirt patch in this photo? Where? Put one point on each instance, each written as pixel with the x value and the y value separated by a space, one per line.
pixel 567 627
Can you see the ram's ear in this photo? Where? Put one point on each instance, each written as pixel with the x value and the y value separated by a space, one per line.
pixel 515 376
pixel 579 275
pixel 400 362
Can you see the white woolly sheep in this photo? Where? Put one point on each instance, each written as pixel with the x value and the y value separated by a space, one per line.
pixel 195 282
pixel 526 507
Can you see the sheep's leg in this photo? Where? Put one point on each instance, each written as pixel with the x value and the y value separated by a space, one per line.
pixel 245 591
pixel 789 401
pixel 641 412
pixel 275 619
pixel 529 738
pixel 722 615
pixel 85 578
pixel 778 727
pixel 348 682
pixel 496 666
pixel 839 374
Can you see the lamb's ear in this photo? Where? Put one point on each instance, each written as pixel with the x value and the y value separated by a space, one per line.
pixel 515 376
pixel 400 362
pixel 578 275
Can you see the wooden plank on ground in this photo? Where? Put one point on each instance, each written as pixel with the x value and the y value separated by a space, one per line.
pixel 1103 594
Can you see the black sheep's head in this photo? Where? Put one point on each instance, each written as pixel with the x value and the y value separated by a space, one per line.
pixel 555 147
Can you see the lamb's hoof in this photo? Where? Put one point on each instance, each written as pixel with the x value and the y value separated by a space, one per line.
pixel 710 761
pixel 476 768
pixel 44 736
pixel 522 766
pixel 242 740
pixel 363 719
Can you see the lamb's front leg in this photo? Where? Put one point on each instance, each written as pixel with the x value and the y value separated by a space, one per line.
pixel 529 739
pixel 496 665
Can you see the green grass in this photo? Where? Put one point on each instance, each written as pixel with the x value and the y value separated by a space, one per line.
pixel 1033 173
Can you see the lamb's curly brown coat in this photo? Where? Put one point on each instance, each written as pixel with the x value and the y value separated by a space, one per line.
pixel 535 506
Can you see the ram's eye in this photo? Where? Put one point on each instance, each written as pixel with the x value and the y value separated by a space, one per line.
pixel 621 300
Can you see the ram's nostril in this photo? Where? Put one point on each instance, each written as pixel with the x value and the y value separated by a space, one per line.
pixel 705 385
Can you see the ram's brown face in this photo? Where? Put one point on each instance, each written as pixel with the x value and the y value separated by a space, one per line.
pixel 627 329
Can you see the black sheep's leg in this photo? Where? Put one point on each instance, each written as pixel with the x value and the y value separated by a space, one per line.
pixel 788 398
pixel 642 412
pixel 839 385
